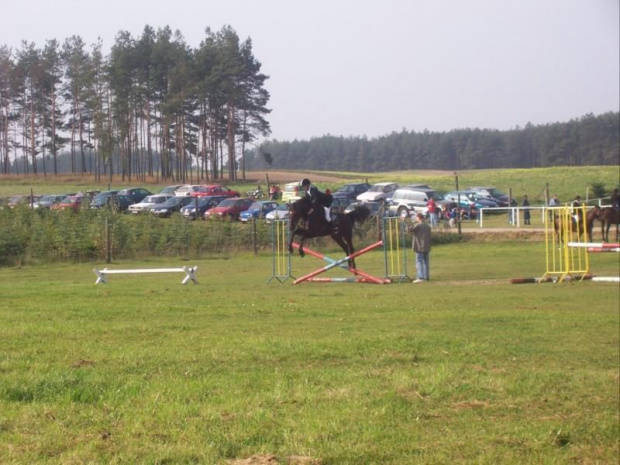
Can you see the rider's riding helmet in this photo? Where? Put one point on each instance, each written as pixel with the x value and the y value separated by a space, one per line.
pixel 305 182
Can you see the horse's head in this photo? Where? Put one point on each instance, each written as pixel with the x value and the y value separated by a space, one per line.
pixel 300 209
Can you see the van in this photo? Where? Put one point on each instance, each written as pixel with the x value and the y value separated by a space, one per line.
pixel 406 201
pixel 292 191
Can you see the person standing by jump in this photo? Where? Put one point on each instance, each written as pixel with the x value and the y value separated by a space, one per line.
pixel 421 247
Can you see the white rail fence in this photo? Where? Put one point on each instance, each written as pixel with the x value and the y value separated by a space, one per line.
pixel 514 214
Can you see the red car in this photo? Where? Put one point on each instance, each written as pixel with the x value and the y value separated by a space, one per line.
pixel 72 202
pixel 229 208
pixel 214 190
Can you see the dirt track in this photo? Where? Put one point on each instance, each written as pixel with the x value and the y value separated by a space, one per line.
pixel 282 177
pixel 290 176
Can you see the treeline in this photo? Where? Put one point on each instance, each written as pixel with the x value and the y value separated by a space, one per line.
pixel 153 106
pixel 590 140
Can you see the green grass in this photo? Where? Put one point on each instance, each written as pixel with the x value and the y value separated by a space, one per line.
pixel 464 369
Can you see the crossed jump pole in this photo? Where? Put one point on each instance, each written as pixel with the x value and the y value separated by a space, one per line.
pixel 361 275
pixel 392 240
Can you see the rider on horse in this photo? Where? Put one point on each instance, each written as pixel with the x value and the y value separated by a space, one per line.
pixel 319 199
pixel 615 200
pixel 577 209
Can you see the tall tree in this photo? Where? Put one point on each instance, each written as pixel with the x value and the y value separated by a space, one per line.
pixel 6 102
pixel 75 58
pixel 54 115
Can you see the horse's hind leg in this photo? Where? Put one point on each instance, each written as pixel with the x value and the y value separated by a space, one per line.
pixel 347 245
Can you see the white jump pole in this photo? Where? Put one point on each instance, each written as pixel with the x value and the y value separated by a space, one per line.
pixel 598 245
pixel 606 279
pixel 190 273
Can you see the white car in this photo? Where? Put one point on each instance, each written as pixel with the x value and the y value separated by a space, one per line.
pixel 187 189
pixel 377 192
pixel 280 213
pixel 148 202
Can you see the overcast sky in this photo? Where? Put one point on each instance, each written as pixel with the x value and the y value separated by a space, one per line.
pixel 371 67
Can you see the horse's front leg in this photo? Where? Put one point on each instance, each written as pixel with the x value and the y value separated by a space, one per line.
pixel 606 235
pixel 301 246
pixel 290 241
pixel 294 233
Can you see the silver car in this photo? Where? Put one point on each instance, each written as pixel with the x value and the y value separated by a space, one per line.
pixel 282 212
pixel 148 202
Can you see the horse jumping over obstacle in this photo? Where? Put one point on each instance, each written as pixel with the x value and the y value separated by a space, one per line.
pixel 394 251
pixel 341 230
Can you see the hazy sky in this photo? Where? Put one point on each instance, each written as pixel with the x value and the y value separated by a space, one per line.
pixel 370 67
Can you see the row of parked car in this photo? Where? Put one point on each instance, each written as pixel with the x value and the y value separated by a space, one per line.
pixel 216 201
pixel 205 201
pixel 410 198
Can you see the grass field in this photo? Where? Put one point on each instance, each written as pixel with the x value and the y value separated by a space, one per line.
pixel 464 369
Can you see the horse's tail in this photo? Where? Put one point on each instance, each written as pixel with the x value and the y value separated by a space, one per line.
pixel 359 214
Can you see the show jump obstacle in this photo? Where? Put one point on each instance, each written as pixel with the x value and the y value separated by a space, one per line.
pixel 564 262
pixel 567 252
pixel 392 241
pixel 190 273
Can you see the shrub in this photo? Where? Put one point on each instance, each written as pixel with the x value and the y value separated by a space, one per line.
pixel 598 190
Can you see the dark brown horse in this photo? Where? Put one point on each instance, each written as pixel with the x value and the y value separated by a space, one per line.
pixel 578 226
pixel 307 220
pixel 609 216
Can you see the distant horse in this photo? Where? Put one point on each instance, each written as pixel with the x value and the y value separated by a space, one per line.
pixel 609 216
pixel 307 221
pixel 578 226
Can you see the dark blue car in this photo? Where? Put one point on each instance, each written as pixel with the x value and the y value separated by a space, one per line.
pixel 204 203
pixel 258 210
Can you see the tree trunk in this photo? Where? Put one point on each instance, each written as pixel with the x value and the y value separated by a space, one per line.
pixel 230 136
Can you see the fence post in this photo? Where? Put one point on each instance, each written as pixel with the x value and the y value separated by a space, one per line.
pixel 108 242
pixel 254 236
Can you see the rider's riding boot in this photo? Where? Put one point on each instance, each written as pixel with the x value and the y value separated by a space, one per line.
pixel 328 214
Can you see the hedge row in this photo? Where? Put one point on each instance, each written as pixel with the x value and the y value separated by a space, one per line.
pixel 29 236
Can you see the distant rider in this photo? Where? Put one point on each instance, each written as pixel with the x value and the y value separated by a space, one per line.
pixel 615 200
pixel 318 198
pixel 577 208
